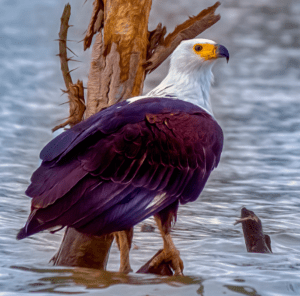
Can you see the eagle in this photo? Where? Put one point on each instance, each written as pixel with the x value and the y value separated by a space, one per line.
pixel 138 158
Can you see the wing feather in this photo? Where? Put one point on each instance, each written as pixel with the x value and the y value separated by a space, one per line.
pixel 116 169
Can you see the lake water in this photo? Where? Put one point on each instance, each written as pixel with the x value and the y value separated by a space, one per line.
pixel 256 99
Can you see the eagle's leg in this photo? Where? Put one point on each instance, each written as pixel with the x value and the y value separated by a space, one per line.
pixel 170 253
pixel 124 240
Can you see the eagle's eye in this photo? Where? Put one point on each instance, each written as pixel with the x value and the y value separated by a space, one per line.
pixel 198 47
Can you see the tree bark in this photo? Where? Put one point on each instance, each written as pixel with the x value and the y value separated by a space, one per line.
pixel 78 249
pixel 75 91
pixel 117 72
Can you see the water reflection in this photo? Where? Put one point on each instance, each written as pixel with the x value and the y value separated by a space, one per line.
pixel 242 290
pixel 61 280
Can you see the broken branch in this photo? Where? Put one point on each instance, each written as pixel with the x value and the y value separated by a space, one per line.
pixel 163 47
pixel 75 91
pixel 95 24
pixel 63 33
pixel 76 103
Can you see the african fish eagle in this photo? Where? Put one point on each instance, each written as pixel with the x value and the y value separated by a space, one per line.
pixel 135 159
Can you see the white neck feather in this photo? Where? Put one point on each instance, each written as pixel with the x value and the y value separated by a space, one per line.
pixel 191 84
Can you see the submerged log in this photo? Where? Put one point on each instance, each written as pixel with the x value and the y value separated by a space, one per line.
pixel 255 239
pixel 123 53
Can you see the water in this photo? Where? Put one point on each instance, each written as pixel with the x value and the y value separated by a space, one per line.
pixel 256 100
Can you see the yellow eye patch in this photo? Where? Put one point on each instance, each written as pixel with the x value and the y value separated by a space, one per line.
pixel 205 51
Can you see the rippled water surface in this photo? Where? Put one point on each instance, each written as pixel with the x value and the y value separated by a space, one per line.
pixel 256 100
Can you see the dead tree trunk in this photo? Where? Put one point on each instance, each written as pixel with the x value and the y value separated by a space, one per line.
pixel 117 73
pixel 124 51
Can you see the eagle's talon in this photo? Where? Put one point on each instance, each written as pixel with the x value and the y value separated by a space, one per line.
pixel 171 256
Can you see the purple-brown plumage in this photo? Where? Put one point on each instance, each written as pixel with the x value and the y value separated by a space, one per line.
pixel 122 165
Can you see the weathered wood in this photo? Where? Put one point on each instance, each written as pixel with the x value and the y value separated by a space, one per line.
pixel 255 239
pixel 187 30
pixel 79 249
pixel 94 84
pixel 75 91
pixel 76 105
pixel 63 34
pixel 95 24
pixel 117 71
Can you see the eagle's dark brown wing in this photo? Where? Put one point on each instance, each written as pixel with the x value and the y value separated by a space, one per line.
pixel 123 165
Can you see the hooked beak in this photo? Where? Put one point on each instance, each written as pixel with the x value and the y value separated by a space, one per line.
pixel 222 52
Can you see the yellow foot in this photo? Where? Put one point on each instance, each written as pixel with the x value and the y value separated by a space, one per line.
pixel 170 256
pixel 124 240
pixel 125 269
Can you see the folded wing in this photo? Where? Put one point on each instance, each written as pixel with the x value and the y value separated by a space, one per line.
pixel 112 171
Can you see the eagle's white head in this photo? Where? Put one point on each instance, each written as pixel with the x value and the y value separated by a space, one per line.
pixel 190 74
